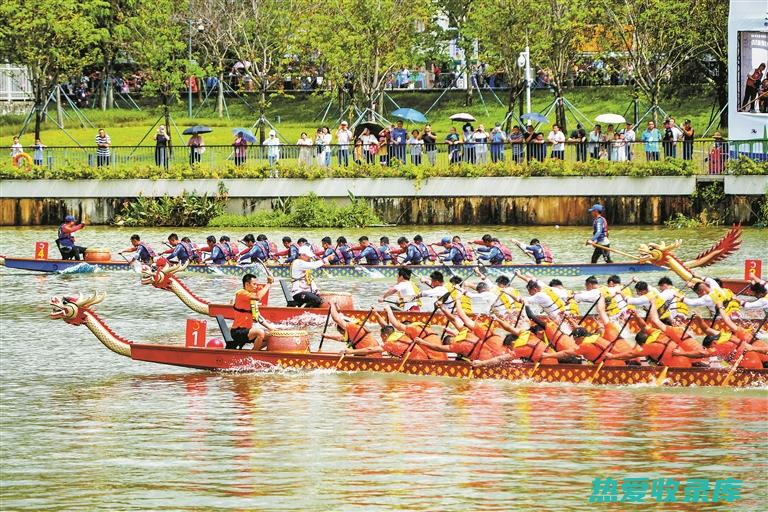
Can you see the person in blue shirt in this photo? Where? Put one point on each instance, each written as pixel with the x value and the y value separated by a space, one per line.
pixel 330 253
pixel 536 250
pixel 385 250
pixel 452 252
pixel 398 138
pixel 292 250
pixel 412 255
pixel 255 251
pixel 181 251
pixel 342 247
pixel 426 256
pixel 216 253
pixel 368 252
pixel 599 234
pixel 492 254
pixel 144 252
pixel 265 248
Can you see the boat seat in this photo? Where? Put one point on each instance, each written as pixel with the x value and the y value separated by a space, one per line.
pixel 224 329
pixel 285 285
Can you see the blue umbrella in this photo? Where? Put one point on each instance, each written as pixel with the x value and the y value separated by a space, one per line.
pixel 410 114
pixel 247 134
pixel 535 117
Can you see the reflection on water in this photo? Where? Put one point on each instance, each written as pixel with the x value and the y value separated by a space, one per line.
pixel 83 428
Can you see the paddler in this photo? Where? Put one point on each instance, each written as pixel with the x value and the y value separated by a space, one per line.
pixel 66 242
pixel 303 286
pixel 354 335
pixel 455 254
pixel 368 255
pixel 436 283
pixel 342 248
pixel 465 342
pixel 416 330
pixel 758 290
pixel 647 296
pixel 291 251
pixel 253 252
pixel 144 252
pixel 599 234
pixel 651 343
pixel 540 252
pixel 547 298
pixel 672 297
pixel 386 251
pixel 405 290
pixel 491 250
pixel 521 344
pixel 709 294
pixel 427 254
pixel 395 343
pixel 245 328
pixel 332 254
pixel 729 345
pixel 412 255
pixel 181 251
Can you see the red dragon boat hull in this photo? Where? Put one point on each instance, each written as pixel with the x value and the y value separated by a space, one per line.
pixel 248 361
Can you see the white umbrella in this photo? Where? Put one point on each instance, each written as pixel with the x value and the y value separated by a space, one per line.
pixel 610 119
pixel 462 116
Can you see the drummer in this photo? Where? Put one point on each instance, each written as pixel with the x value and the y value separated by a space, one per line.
pixel 66 242
pixel 303 287
pixel 247 301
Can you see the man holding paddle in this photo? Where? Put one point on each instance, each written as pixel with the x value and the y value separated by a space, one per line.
pixel 599 235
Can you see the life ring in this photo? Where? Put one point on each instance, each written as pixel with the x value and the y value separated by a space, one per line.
pixel 26 157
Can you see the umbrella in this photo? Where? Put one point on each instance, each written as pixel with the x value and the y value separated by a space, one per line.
pixel 462 116
pixel 535 117
pixel 373 127
pixel 247 134
pixel 610 119
pixel 410 114
pixel 197 129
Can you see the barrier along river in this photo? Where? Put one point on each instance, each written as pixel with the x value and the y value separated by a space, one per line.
pixel 85 429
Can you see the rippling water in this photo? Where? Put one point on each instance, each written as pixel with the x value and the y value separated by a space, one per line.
pixel 85 429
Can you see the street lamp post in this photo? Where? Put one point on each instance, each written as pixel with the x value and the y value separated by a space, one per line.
pixel 189 77
pixel 524 60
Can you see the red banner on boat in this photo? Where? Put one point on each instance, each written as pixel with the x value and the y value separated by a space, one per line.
pixel 196 333
pixel 41 250
pixel 753 268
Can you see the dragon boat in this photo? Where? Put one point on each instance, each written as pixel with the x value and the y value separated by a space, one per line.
pixel 651 262
pixel 79 312
pixel 165 278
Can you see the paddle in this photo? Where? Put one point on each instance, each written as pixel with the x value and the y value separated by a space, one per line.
pixel 373 274
pixel 325 329
pixel 607 349
pixel 605 248
pixel 598 300
pixel 736 363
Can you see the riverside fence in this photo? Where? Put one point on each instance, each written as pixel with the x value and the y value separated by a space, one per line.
pixel 708 156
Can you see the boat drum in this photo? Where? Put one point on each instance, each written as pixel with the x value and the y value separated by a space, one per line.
pixel 98 254
pixel 294 342
pixel 342 300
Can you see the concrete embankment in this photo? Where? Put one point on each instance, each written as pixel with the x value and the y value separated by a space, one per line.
pixel 517 201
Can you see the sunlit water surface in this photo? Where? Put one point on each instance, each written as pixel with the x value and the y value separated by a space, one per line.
pixel 85 429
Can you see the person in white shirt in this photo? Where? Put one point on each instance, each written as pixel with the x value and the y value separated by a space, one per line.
pixel 557 138
pixel 327 139
pixel 303 286
pixel 759 291
pixel 273 152
pixel 16 147
pixel 437 290
pixel 305 149
pixel 416 145
pixel 629 137
pixel 406 291
pixel 343 138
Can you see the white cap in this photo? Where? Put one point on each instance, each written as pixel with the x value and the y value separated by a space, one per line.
pixel 306 250
pixel 271 133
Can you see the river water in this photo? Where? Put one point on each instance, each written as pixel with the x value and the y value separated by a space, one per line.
pixel 85 429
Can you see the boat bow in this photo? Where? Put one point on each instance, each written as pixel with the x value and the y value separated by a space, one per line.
pixel 77 311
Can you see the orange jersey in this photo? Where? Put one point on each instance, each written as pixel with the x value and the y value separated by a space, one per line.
pixel 660 351
pixel 243 313
pixel 353 336
pixel 397 348
pixel 594 348
pixel 416 329
pixel 533 348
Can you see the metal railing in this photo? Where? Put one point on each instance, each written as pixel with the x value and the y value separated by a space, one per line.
pixel 708 156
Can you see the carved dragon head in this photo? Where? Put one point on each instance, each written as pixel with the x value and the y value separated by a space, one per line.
pixel 162 276
pixel 72 310
pixel 658 254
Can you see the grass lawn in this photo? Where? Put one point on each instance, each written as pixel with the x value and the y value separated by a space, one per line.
pixel 292 115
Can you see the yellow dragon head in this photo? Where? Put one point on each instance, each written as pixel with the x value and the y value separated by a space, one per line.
pixel 72 310
pixel 162 276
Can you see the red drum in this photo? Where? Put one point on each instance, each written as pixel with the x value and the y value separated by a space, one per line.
pixel 98 254
pixel 342 300
pixel 295 342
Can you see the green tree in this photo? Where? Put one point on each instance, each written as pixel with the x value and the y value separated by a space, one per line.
pixel 52 38
pixel 214 40
pixel 112 18
pixel 657 38
pixel 709 22
pixel 364 42
pixel 463 30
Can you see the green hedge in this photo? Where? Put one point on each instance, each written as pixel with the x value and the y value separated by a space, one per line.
pixel 546 168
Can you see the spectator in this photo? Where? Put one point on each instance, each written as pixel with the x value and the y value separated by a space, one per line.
pixel 467 132
pixel 608 138
pixel 38 156
pixel 416 145
pixel 596 139
pixel 651 136
pixel 273 152
pixel 161 147
pixel 670 146
pixel 718 154
pixel 557 139
pixel 517 140
pixel 320 147
pixel 327 139
pixel 241 148
pixel 343 138
pixel 16 148
pixel 480 142
pixel 539 147
pixel 430 147
pixel 305 149
pixel 579 137
pixel 398 138
pixel 530 137
pixel 369 146
pixel 384 147
pixel 618 148
pixel 629 139
pixel 498 138
pixel 454 146
pixel 688 134
pixel 196 148
pixel 103 142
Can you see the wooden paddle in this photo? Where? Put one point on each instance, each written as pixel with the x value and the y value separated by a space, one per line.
pixel 325 329
pixel 605 248
pixel 608 349
pixel 408 350
pixel 358 337
pixel 736 364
